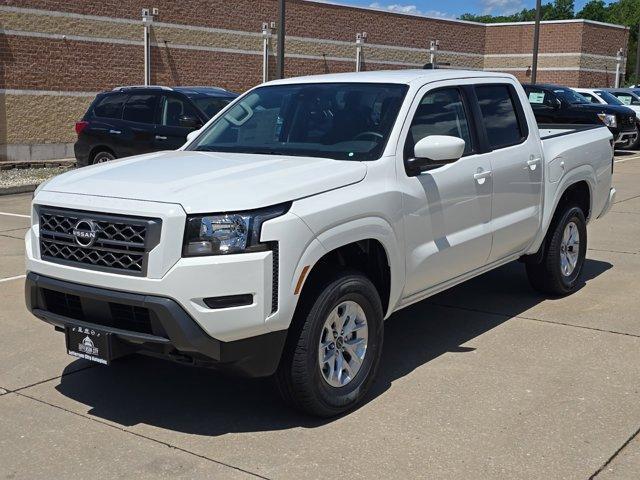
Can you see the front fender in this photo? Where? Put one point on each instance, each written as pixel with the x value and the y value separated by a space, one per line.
pixel 365 228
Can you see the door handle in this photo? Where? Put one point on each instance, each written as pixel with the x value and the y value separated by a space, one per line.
pixel 115 132
pixel 160 137
pixel 481 176
pixel 533 162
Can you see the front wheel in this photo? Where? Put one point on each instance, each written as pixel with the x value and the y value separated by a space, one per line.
pixel 559 271
pixel 334 348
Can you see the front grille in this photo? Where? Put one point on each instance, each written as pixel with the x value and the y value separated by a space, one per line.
pixel 628 120
pixel 108 314
pixel 118 244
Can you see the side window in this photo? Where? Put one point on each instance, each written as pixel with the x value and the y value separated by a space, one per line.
pixel 211 105
pixel 140 108
pixel 441 112
pixel 589 97
pixel 500 115
pixel 536 97
pixel 626 98
pixel 172 109
pixel 110 106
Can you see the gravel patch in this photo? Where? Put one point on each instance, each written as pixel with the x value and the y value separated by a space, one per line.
pixel 17 177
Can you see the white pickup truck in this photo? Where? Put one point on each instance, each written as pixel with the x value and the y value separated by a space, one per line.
pixel 282 234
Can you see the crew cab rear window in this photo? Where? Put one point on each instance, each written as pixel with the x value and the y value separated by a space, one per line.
pixel 500 115
pixel 140 108
pixel 110 106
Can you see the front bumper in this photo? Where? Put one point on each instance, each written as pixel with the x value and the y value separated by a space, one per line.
pixel 166 329
pixel 624 139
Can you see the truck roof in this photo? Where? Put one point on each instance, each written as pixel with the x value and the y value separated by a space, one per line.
pixel 393 76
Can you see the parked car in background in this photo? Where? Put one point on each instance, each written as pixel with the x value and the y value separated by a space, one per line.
pixel 629 97
pixel 554 104
pixel 279 238
pixel 603 97
pixel 140 119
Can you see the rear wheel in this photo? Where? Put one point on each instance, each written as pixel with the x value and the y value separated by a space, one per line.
pixel 102 157
pixel 334 348
pixel 559 271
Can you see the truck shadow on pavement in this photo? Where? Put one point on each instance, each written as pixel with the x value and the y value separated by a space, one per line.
pixel 162 394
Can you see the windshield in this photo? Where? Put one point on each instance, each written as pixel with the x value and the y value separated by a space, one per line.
pixel 607 97
pixel 343 121
pixel 570 96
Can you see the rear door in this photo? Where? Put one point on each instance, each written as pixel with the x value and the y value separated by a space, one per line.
pixel 174 110
pixel 138 128
pixel 105 124
pixel 516 159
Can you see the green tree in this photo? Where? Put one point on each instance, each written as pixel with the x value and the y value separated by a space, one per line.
pixel 562 10
pixel 594 10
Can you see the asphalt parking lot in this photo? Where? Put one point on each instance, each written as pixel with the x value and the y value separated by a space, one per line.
pixel 487 380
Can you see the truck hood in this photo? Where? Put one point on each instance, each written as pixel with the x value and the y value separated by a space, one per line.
pixel 620 110
pixel 210 181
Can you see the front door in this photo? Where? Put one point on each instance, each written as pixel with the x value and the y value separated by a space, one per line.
pixel 170 133
pixel 447 209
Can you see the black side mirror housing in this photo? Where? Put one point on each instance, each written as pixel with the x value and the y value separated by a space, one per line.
pixel 415 166
pixel 187 121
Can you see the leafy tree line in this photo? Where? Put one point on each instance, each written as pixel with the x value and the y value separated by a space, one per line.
pixel 621 12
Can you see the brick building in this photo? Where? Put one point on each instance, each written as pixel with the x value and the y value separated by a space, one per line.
pixel 55 55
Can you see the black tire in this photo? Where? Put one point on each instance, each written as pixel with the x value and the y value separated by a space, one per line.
pixel 102 156
pixel 299 377
pixel 636 144
pixel 547 276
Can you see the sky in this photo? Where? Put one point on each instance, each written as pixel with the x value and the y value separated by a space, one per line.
pixel 451 8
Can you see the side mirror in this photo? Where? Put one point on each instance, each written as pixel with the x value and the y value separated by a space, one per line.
pixel 556 104
pixel 434 151
pixel 189 122
pixel 192 135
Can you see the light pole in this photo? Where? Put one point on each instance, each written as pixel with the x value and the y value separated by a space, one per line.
pixel 433 51
pixel 267 31
pixel 281 34
pixel 536 43
pixel 147 20
pixel 360 39
pixel 618 67
pixel 638 57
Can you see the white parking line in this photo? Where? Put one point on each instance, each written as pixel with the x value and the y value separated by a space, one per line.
pixel 15 215
pixel 627 159
pixel 8 279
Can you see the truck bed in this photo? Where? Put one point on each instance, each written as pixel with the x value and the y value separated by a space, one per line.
pixel 549 130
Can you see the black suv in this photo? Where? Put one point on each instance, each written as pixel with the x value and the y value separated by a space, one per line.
pixel 132 120
pixel 556 104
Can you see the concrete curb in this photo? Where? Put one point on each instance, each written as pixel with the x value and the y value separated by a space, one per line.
pixel 61 162
pixel 18 189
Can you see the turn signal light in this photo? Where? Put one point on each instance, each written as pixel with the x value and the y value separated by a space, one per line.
pixel 80 126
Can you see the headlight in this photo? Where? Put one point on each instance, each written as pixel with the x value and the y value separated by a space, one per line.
pixel 220 234
pixel 608 119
